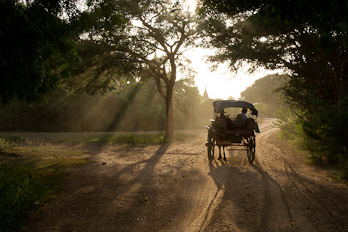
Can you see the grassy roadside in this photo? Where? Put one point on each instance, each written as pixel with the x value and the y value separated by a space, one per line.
pixel 334 170
pixel 30 175
pixel 128 139
pixel 33 170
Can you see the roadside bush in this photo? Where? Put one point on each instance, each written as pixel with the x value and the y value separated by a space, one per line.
pixel 291 128
pixel 128 139
pixel 267 110
pixel 10 138
pixel 133 139
pixel 21 191
pixel 323 134
pixel 328 136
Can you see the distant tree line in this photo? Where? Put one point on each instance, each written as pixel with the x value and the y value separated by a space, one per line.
pixel 265 93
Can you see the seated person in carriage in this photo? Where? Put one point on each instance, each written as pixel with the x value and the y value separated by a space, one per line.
pixel 228 122
pixel 241 119
pixel 238 123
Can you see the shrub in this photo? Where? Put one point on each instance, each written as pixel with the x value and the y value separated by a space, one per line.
pixel 21 191
pixel 127 139
pixel 133 139
pixel 10 139
pixel 321 133
pixel 291 127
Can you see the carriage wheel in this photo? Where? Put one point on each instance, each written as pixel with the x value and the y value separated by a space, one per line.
pixel 211 146
pixel 251 149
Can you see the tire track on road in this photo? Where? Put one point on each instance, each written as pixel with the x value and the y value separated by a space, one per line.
pixel 308 195
pixel 308 210
pixel 274 197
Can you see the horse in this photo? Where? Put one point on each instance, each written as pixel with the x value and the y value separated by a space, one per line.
pixel 223 123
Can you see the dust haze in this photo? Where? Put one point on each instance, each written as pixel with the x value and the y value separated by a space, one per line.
pixel 133 108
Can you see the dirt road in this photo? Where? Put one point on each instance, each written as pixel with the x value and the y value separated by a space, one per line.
pixel 174 188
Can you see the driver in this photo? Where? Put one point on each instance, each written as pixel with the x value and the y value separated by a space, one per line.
pixel 229 123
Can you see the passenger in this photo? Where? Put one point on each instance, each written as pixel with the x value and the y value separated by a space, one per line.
pixel 241 119
pixel 222 114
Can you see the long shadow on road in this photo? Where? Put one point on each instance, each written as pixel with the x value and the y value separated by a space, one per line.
pixel 139 183
pixel 104 198
pixel 142 193
pixel 244 203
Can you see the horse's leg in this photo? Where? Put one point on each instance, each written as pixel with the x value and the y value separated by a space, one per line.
pixel 220 152
pixel 224 153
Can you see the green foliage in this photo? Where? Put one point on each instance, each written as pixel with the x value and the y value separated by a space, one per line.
pixel 132 139
pixel 186 105
pixel 21 191
pixel 327 135
pixel 266 90
pixel 30 174
pixel 291 128
pixel 322 133
pixel 130 53
pixel 10 139
pixel 68 112
pixel 36 49
pixel 128 139
pixel 266 110
pixel 266 93
pixel 304 37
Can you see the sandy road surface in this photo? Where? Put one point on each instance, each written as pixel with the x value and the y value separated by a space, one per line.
pixel 174 188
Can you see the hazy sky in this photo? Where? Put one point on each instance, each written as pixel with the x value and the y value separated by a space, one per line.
pixel 221 83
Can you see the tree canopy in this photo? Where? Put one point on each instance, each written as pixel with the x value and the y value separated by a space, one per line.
pixel 36 47
pixel 150 46
pixel 306 38
pixel 265 90
pixel 266 93
pixel 109 43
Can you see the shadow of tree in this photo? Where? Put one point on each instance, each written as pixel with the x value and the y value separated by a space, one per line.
pixel 119 196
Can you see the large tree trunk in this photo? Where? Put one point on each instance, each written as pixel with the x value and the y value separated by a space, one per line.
pixel 169 133
pixel 169 102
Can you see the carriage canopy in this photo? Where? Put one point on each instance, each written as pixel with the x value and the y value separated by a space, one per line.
pixel 222 104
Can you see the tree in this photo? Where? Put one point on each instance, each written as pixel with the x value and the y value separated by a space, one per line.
pixel 186 104
pixel 307 38
pixel 266 90
pixel 36 47
pixel 153 27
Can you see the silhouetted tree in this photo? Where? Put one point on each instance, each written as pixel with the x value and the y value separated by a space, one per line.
pixel 36 47
pixel 307 38
pixel 153 27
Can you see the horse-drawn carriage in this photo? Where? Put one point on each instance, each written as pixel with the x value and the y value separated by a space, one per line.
pixel 225 131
